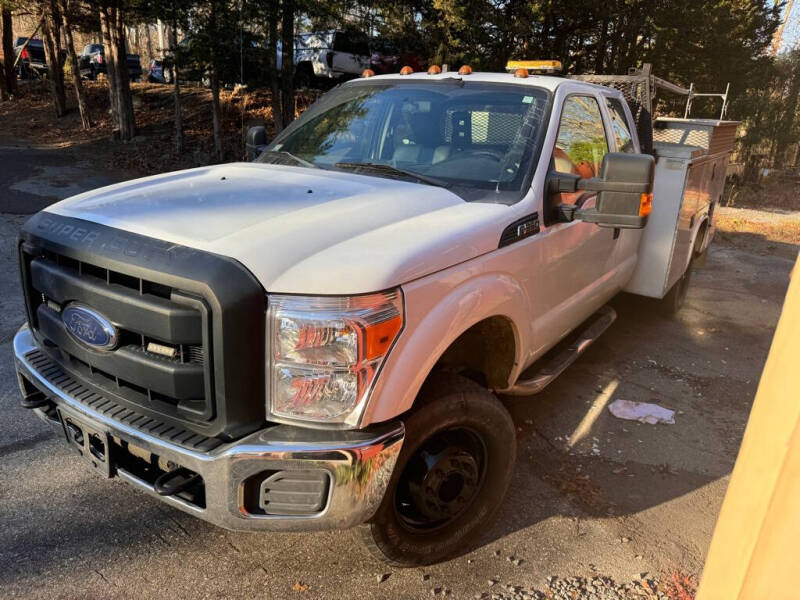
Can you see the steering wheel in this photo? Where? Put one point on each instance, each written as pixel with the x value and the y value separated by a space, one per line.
pixel 493 154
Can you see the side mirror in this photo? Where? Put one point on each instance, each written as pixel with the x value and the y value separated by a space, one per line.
pixel 624 192
pixel 256 142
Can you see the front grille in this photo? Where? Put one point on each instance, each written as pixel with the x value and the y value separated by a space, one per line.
pixel 190 344
pixel 148 315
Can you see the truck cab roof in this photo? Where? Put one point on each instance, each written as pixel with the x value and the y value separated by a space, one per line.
pixel 548 82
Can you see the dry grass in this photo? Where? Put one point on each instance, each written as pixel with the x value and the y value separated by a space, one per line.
pixel 782 230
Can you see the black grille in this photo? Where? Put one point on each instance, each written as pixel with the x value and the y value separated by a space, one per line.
pixel 159 361
pixel 190 349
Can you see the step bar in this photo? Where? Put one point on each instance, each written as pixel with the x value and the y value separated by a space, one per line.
pixel 539 375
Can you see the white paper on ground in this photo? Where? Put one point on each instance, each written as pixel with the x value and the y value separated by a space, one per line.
pixel 644 412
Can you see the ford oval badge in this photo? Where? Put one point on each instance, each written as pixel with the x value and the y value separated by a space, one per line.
pixel 89 327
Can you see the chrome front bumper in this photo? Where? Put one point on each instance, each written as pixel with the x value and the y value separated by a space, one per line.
pixel 359 463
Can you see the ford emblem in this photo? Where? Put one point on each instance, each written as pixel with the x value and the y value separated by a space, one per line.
pixel 89 327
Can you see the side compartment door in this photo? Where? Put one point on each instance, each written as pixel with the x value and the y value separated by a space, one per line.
pixel 579 258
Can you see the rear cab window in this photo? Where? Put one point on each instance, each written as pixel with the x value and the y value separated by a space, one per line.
pixel 620 126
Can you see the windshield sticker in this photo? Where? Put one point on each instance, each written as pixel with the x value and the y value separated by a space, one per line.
pixel 527 99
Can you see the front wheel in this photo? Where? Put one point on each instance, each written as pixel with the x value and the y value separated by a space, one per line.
pixel 450 478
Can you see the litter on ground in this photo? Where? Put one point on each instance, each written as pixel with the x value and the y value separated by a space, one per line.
pixel 644 412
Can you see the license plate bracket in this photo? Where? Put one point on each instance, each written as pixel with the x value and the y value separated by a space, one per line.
pixel 90 442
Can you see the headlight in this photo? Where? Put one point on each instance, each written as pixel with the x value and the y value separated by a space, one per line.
pixel 325 352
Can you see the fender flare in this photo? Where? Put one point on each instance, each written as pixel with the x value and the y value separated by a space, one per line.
pixel 430 331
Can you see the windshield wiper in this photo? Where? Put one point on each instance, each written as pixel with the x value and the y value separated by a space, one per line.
pixel 389 170
pixel 299 161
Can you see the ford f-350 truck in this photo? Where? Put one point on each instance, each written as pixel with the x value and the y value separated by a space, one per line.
pixel 316 339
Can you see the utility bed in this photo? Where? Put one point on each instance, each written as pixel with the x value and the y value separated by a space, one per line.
pixel 691 161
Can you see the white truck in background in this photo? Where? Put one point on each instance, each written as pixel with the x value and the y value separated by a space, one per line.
pixel 317 339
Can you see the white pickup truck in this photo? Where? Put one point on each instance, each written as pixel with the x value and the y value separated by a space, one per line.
pixel 317 339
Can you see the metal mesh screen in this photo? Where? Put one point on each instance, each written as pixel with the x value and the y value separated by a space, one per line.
pixel 481 126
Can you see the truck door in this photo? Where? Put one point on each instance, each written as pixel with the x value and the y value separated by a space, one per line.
pixel 578 257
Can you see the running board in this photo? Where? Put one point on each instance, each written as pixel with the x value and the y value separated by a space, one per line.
pixel 539 375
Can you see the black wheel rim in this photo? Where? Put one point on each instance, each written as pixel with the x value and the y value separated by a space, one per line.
pixel 441 480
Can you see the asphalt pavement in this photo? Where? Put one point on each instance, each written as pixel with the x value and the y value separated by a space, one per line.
pixel 592 495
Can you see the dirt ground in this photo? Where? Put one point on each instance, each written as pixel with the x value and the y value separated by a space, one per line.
pixel 593 497
pixel 30 116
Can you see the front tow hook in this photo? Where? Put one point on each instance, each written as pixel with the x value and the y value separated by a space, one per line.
pixel 175 481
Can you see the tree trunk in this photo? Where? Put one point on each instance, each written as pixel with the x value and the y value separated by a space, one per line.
pixel 287 68
pixel 176 91
pixel 274 75
pixel 216 113
pixel 51 30
pixel 73 61
pixel 117 63
pixel 9 75
pixel 105 27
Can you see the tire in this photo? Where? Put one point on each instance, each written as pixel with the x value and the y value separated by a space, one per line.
pixel 676 297
pixel 304 76
pixel 460 446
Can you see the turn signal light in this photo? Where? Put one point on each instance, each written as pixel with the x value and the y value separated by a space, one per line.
pixel 368 73
pixel 465 70
pixel 406 70
pixel 434 70
pixel 645 205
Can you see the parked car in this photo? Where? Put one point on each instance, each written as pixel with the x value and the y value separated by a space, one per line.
pixel 92 62
pixel 32 63
pixel 327 56
pixel 232 65
pixel 315 340
pixel 386 57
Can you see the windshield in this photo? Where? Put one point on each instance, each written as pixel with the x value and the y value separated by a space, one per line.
pixel 479 139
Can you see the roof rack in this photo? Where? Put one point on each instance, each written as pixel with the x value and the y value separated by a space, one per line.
pixel 639 88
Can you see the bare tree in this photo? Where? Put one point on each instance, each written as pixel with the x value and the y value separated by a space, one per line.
pixel 9 75
pixel 176 87
pixel 114 40
pixel 73 61
pixel 54 55
pixel 287 68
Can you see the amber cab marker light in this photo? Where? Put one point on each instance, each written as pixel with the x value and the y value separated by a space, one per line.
pixel 368 73
pixel 645 205
pixel 465 70
pixel 434 70
pixel 406 70
pixel 521 73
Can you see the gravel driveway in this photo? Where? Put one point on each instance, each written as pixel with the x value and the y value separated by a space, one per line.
pixel 598 508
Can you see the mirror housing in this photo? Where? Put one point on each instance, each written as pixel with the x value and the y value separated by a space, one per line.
pixel 624 192
pixel 256 142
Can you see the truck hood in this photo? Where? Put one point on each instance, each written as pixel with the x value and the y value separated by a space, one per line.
pixel 301 230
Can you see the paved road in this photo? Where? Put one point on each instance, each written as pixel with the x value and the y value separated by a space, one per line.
pixel 33 177
pixel 591 494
